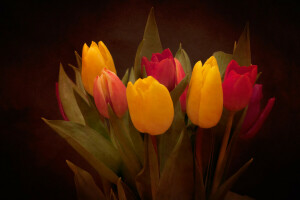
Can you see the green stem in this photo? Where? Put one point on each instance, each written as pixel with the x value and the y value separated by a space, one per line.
pixel 218 174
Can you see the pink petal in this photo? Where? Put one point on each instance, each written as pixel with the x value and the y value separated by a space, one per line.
pixel 253 108
pixel 100 96
pixel 263 116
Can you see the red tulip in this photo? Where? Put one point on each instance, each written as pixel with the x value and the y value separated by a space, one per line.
pixel 162 67
pixel 237 85
pixel 255 118
pixel 179 76
pixel 108 88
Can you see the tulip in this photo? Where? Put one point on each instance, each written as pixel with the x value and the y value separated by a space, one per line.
pixel 109 89
pixel 150 106
pixel 237 85
pixel 205 97
pixel 179 76
pixel 162 67
pixel 255 118
pixel 94 59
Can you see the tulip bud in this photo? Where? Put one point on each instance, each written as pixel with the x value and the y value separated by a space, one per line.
pixel 150 106
pixel 205 97
pixel 179 76
pixel 255 118
pixel 108 88
pixel 237 85
pixel 94 59
pixel 162 68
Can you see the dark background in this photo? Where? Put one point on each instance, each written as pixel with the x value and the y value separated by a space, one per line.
pixel 37 36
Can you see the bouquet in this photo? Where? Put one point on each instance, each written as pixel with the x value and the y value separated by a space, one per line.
pixel 165 130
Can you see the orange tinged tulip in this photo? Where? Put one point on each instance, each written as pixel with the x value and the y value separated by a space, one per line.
pixel 94 59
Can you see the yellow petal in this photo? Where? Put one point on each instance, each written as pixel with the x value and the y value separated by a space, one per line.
pixel 194 93
pixel 211 105
pixel 150 106
pixel 109 62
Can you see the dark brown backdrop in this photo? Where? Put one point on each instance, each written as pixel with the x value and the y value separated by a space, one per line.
pixel 36 37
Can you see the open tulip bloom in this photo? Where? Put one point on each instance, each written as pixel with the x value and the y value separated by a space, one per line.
pixel 145 134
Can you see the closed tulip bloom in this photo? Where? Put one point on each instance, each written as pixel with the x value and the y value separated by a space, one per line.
pixel 109 89
pixel 162 68
pixel 205 97
pixel 94 59
pixel 179 76
pixel 150 106
pixel 255 117
pixel 237 85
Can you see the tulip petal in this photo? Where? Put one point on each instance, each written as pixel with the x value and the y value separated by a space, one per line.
pixel 99 96
pixel 109 62
pixel 263 116
pixel 237 91
pixel 253 110
pixel 194 93
pixel 211 105
pixel 117 93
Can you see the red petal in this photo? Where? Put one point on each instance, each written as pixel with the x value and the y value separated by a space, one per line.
pixel 61 109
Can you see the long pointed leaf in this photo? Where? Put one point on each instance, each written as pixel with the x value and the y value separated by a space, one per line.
pixel 85 185
pixel 91 116
pixel 65 87
pixel 242 53
pixel 78 79
pixel 177 178
pixel 184 59
pixel 150 43
pixel 92 146
pixel 223 60
pixel 126 77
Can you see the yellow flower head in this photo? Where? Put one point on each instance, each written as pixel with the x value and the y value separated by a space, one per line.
pixel 94 59
pixel 150 106
pixel 205 94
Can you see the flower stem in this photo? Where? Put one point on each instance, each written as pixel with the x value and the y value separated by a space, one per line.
pixel 218 171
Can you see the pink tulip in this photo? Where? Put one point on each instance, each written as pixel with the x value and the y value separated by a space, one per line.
pixel 109 89
pixel 255 118
pixel 237 85
pixel 162 67
pixel 179 76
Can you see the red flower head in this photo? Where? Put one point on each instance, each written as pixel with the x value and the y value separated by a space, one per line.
pixel 162 67
pixel 237 85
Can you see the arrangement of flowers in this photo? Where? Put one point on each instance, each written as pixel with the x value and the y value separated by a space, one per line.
pixel 145 134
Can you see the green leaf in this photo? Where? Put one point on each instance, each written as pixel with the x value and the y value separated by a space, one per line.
pixel 223 60
pixel 179 89
pixel 184 59
pixel 242 53
pixel 148 179
pixel 177 178
pixel 137 62
pixel 168 140
pixel 91 116
pixel 125 77
pixel 92 146
pixel 121 193
pixel 66 87
pixel 78 79
pixel 120 133
pixel 79 61
pixel 225 187
pixel 85 185
pixel 150 43
pixel 135 137
pixel 124 191
pixel 112 195
pixel 132 76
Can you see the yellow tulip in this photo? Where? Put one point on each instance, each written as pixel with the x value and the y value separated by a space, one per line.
pixel 150 106
pixel 94 59
pixel 205 95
